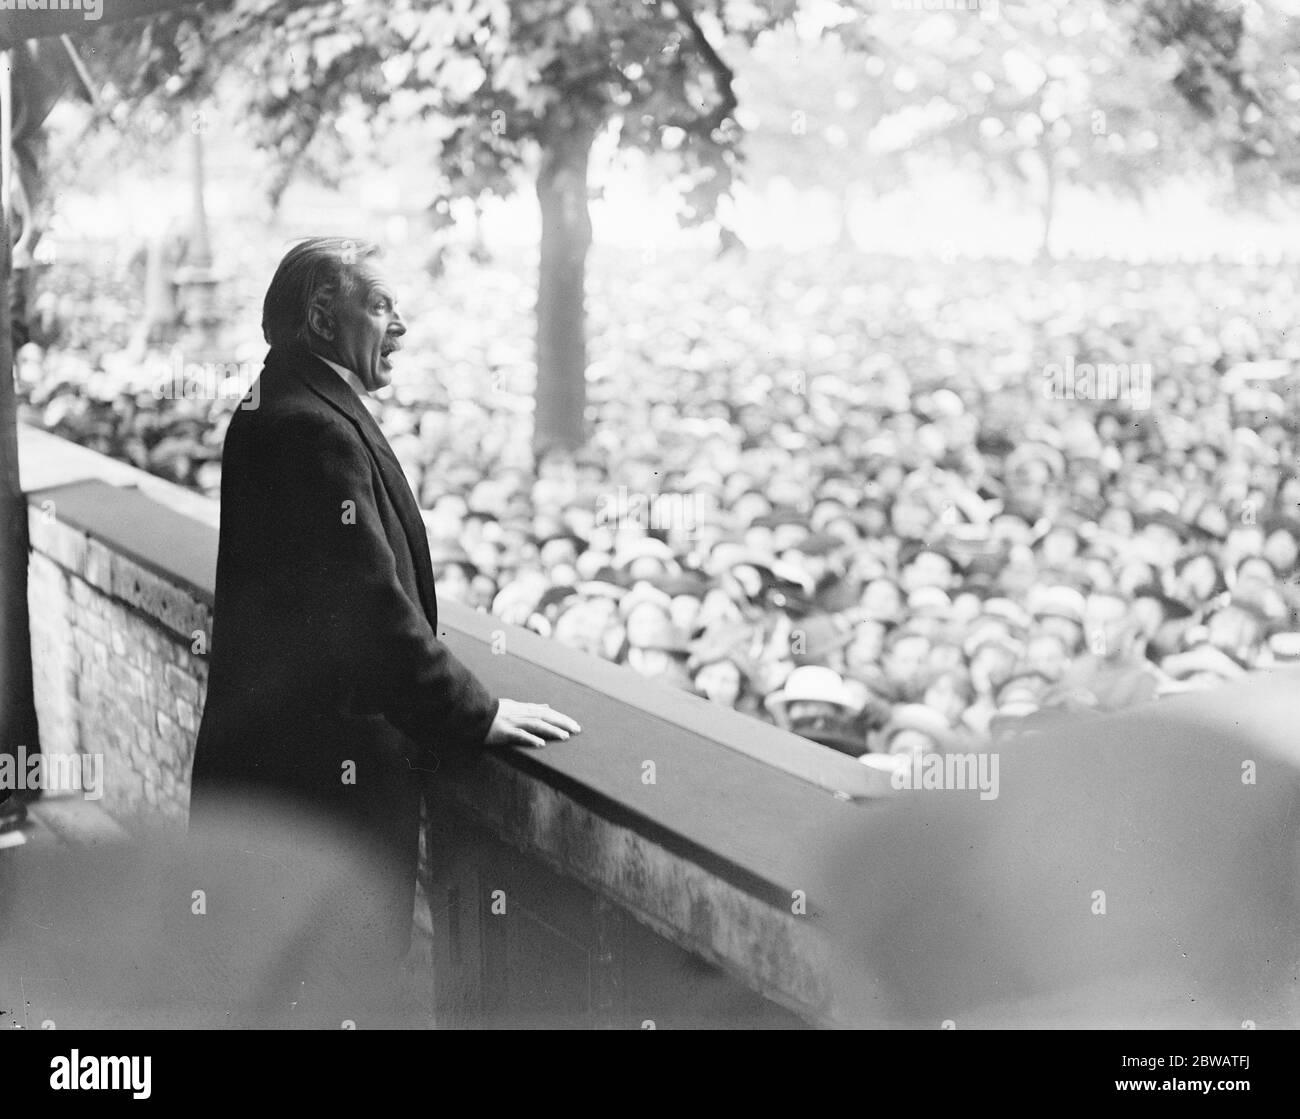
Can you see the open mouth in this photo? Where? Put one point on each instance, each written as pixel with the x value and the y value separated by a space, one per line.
pixel 386 352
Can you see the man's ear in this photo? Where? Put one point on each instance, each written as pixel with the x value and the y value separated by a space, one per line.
pixel 320 321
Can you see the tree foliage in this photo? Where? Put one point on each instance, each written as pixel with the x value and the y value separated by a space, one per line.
pixel 1038 94
pixel 1236 64
pixel 492 79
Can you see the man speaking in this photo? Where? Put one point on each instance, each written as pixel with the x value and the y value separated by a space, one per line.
pixel 329 692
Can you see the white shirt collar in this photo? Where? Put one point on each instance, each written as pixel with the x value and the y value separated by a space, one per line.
pixel 348 376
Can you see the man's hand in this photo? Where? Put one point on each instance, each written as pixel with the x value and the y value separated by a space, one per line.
pixel 528 724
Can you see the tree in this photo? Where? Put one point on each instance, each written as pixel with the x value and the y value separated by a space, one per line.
pixel 1236 64
pixel 812 131
pixel 506 89
pixel 1040 95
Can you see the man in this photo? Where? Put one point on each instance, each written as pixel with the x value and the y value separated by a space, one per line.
pixel 329 690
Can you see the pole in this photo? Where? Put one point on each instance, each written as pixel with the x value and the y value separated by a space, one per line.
pixel 6 135
pixel 196 279
pixel 17 710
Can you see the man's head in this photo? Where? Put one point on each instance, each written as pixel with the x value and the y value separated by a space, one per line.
pixel 905 660
pixel 1049 653
pixel 1282 547
pixel 1236 629
pixel 950 693
pixel 721 681
pixel 921 566
pixel 329 297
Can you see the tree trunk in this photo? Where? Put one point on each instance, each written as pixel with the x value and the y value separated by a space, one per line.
pixel 561 395
pixel 158 326
pixel 847 200
pixel 17 711
pixel 1049 207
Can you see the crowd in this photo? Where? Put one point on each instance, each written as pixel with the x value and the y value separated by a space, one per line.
pixel 850 496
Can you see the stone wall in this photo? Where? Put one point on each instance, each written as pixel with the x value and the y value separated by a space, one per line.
pixel 114 667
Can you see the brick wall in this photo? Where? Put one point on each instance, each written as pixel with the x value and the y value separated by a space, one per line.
pixel 115 669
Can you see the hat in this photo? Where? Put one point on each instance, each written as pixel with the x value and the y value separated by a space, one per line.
pixel 945 402
pixel 606 583
pixel 642 547
pixel 1040 452
pixel 1010 525
pixel 643 591
pixel 1285 647
pixel 554 596
pixel 910 549
pixel 520 595
pixel 1161 501
pixel 821 635
pixel 701 480
pixel 453 554
pixel 1017 704
pixel 1009 612
pixel 792 586
pixel 835 490
pixel 1021 683
pixel 693 583
pixel 982 636
pixel 726 640
pixel 564 533
pixel 664 637
pixel 918 717
pixel 1057 601
pixel 1172 607
pixel 778 518
pixel 885 445
pixel 929 601
pixel 591 562
pixel 1204 659
pixel 818 544
pixel 793 575
pixel 1165 518
pixel 812 682
pixel 1045 527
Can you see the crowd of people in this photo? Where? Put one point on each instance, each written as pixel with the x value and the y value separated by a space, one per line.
pixel 850 496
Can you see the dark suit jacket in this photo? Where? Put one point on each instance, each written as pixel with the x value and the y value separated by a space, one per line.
pixel 328 689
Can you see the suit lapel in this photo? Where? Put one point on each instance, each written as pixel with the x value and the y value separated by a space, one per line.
pixel 330 387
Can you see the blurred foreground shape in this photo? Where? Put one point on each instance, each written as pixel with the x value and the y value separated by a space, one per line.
pixel 1136 871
